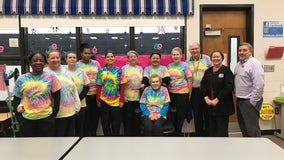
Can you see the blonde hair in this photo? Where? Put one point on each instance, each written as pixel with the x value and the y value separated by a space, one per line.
pixel 50 51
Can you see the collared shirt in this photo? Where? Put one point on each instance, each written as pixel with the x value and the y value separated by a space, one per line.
pixel 249 80
pixel 198 68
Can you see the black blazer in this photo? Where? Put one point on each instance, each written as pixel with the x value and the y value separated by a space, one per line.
pixel 221 85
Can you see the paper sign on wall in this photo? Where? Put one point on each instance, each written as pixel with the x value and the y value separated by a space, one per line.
pixel 272 29
pixel 266 112
pixel 13 42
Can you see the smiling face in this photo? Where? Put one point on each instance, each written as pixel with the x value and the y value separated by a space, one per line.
pixel 132 58
pixel 37 63
pixel 176 56
pixel 194 50
pixel 245 51
pixel 155 81
pixel 155 60
pixel 109 58
pixel 54 60
pixel 217 58
pixel 71 59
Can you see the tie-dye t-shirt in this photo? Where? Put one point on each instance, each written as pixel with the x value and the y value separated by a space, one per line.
pixel 155 99
pixel 80 78
pixel 91 69
pixel 179 74
pixel 110 80
pixel 68 95
pixel 133 74
pixel 35 93
pixel 162 71
pixel 198 69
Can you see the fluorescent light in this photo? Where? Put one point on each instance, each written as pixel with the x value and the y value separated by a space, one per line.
pixel 155 38
pixel 114 37
pixel 93 38
pixel 72 37
pixel 175 38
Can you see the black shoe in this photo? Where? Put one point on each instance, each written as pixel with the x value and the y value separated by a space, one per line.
pixel 188 118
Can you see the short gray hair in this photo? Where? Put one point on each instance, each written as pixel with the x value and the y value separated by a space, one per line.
pixel 176 49
pixel 248 45
pixel 131 51
pixel 155 76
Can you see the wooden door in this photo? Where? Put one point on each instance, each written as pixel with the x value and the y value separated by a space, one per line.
pixel 229 23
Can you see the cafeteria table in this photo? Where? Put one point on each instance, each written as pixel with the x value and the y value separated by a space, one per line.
pixel 49 148
pixel 175 148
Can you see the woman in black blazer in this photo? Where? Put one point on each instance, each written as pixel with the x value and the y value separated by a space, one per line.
pixel 217 86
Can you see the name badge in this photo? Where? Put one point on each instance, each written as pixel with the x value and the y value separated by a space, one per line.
pixel 221 75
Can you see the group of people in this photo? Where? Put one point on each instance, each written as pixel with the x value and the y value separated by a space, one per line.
pixel 213 88
pixel 53 100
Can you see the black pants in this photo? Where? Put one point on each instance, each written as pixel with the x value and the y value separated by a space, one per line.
pixel 65 126
pixel 178 107
pixel 111 119
pixel 80 122
pixel 199 114
pixel 218 126
pixel 152 128
pixel 92 116
pixel 38 128
pixel 131 118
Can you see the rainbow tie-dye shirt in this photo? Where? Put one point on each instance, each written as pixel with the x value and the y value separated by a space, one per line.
pixel 91 69
pixel 198 69
pixel 162 71
pixel 110 80
pixel 35 93
pixel 155 99
pixel 68 93
pixel 81 79
pixel 133 74
pixel 179 75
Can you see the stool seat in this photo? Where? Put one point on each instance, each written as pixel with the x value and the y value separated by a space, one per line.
pixel 168 128
pixel 5 116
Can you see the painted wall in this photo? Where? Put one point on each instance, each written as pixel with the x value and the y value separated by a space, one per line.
pixel 263 11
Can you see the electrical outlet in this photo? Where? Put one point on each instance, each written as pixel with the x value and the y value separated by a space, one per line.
pixel 276 110
pixel 268 68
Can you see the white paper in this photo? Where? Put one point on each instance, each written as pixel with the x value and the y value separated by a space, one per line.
pixel 282 90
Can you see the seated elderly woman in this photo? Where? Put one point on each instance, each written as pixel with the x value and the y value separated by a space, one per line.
pixel 154 104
